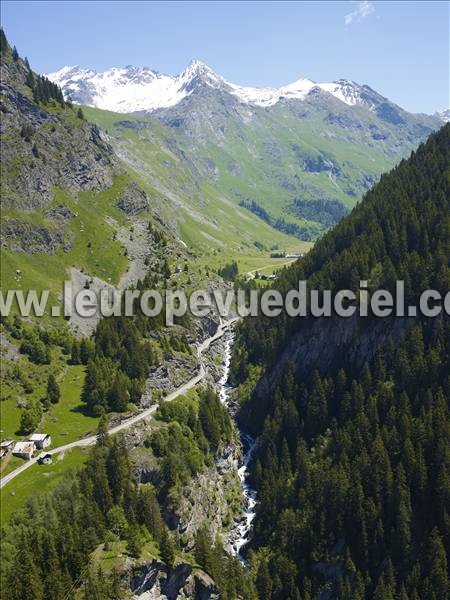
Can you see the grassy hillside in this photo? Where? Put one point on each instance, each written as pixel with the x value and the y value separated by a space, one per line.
pixel 231 178
pixel 202 212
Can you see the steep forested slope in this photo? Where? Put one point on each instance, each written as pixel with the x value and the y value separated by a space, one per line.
pixel 102 530
pixel 353 462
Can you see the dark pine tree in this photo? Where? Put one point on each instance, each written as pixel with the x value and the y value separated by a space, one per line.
pixel 53 391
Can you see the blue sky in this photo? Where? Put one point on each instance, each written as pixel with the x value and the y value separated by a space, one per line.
pixel 401 49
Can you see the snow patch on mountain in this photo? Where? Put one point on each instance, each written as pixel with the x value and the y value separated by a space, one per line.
pixel 270 96
pixel 127 89
pixel 134 89
pixel 444 115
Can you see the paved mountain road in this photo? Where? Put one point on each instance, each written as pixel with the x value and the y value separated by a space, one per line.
pixel 89 441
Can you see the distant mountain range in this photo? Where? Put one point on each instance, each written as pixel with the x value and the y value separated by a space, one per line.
pixel 295 158
pixel 135 89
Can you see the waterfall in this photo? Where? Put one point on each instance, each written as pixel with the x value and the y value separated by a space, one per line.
pixel 239 535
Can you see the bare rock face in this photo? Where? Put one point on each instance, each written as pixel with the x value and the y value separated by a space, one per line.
pixel 23 236
pixel 61 214
pixel 213 499
pixel 154 581
pixel 133 200
pixel 326 344
pixel 46 146
pixel 170 374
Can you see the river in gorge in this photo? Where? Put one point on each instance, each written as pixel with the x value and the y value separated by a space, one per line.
pixel 239 535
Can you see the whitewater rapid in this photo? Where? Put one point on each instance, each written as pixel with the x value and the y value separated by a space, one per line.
pixel 239 534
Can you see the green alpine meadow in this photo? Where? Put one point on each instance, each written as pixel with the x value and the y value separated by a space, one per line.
pixel 224 330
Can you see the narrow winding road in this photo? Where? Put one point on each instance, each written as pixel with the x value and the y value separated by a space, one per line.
pixel 89 441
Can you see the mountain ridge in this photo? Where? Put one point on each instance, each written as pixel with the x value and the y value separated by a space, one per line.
pixel 149 89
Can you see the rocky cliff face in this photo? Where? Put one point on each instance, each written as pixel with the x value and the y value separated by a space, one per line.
pixel 154 582
pixel 22 236
pixel 212 499
pixel 46 146
pixel 327 345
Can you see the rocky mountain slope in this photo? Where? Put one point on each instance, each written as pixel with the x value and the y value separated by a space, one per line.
pixel 68 204
pixel 89 219
pixel 444 115
pixel 46 146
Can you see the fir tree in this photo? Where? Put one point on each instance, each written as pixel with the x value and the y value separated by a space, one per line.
pixel 119 396
pixel 3 41
pixel 75 358
pixel 134 541
pixel 167 550
pixel 29 79
pixel 53 391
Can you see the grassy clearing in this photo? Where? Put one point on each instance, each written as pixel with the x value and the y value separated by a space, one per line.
pixel 65 421
pixel 14 376
pixel 115 555
pixel 68 421
pixel 94 247
pixel 37 480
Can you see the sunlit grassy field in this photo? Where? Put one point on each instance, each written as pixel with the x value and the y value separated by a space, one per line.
pixel 37 480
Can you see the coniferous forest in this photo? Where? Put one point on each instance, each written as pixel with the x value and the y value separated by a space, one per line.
pixel 48 548
pixel 353 463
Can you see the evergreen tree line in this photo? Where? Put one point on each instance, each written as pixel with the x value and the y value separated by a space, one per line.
pixel 230 271
pixel 227 572
pixel 303 232
pixel 327 212
pixel 43 89
pixel 4 46
pixel 352 474
pixel 197 427
pixel 195 432
pixel 48 547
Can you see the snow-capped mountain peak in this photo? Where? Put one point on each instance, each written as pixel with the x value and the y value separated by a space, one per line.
pixel 198 72
pixel 197 68
pixel 135 89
